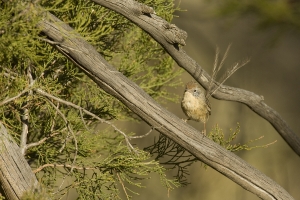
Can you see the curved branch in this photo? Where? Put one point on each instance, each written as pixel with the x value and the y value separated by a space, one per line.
pixel 169 36
pixel 116 84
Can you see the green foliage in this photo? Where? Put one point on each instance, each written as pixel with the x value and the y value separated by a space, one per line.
pixel 34 194
pixel 177 159
pixel 65 143
pixel 217 135
pixel 103 164
pixel 136 66
pixel 173 156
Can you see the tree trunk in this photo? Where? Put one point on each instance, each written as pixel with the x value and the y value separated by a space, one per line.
pixel 16 176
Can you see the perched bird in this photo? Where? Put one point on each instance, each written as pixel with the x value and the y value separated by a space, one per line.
pixel 195 102
pixel 195 105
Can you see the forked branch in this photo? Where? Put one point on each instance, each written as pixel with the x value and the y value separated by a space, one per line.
pixel 159 30
pixel 130 94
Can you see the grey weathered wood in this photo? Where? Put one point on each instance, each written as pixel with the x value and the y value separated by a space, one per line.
pixel 16 176
pixel 159 29
pixel 113 82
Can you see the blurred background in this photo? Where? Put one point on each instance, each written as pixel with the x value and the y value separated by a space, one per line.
pixel 265 35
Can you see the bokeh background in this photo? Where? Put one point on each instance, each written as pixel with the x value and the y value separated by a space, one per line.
pixel 273 72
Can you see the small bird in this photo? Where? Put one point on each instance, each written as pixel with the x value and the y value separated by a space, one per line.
pixel 195 105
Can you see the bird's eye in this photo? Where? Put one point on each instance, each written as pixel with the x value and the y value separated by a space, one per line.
pixel 196 92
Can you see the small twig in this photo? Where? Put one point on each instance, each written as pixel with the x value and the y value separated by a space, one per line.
pixel 65 142
pixel 142 136
pixel 62 165
pixel 228 74
pixel 25 123
pixel 40 141
pixel 224 58
pixel 9 75
pixel 269 144
pixel 41 92
pixel 83 121
pixel 25 114
pixel 233 69
pixel 31 80
pixel 264 146
pixel 15 97
pixel 53 122
pixel 217 67
pixel 69 129
pixel 120 180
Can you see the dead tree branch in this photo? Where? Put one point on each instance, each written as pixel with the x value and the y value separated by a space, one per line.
pixel 170 37
pixel 16 176
pixel 113 82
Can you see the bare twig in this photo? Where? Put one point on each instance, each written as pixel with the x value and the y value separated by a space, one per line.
pixel 217 67
pixel 41 92
pixel 123 186
pixel 40 141
pixel 53 122
pixel 70 130
pixel 145 135
pixel 25 123
pixel 62 165
pixel 83 121
pixel 15 97
pixel 224 57
pixel 8 73
pixel 25 114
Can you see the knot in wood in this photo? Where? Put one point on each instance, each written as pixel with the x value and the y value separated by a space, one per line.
pixel 146 9
pixel 142 9
pixel 174 35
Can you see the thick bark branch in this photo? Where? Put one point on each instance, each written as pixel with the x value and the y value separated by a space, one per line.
pixel 169 36
pixel 116 84
pixel 16 176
